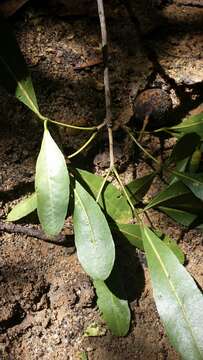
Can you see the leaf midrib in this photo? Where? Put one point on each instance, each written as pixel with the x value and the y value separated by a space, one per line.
pixel 93 240
pixel 199 122
pixel 174 291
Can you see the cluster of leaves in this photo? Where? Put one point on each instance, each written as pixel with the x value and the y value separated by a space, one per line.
pixel 99 219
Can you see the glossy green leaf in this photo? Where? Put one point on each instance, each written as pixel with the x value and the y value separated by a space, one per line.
pixel 185 147
pixel 52 186
pixel 93 239
pixel 186 202
pixel 180 166
pixel 23 208
pixel 112 303
pixel 132 233
pixel 177 297
pixel 193 181
pixel 195 161
pixel 171 192
pixel 139 187
pixel 112 201
pixel 190 124
pixel 172 244
pixel 14 75
pixel 182 217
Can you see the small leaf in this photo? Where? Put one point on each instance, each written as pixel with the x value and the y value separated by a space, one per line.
pixel 93 239
pixel 178 299
pixel 52 186
pixel 190 124
pixel 182 217
pixel 172 244
pixel 14 75
pixel 193 181
pixel 132 233
pixel 185 147
pixel 180 166
pixel 94 330
pixel 139 187
pixel 171 192
pixel 23 208
pixel 112 201
pixel 112 303
pixel 195 161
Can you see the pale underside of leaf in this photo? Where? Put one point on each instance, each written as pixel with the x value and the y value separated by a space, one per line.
pixel 52 186
pixel 178 300
pixel 93 239
pixel 23 208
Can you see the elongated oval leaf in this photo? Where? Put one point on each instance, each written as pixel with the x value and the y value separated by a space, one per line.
pixel 52 186
pixel 133 233
pixel 14 75
pixel 182 217
pixel 185 147
pixel 172 244
pixel 193 181
pixel 23 208
pixel 138 188
pixel 178 300
pixel 180 166
pixel 195 161
pixel 115 311
pixel 190 124
pixel 93 239
pixel 171 192
pixel 112 201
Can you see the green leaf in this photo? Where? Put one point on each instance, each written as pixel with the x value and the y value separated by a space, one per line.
pixel 171 192
pixel 14 75
pixel 52 186
pixel 23 208
pixel 132 233
pixel 185 147
pixel 113 304
pixel 193 181
pixel 182 217
pixel 190 124
pixel 178 299
pixel 180 166
pixel 93 239
pixel 195 161
pixel 139 187
pixel 112 201
pixel 172 244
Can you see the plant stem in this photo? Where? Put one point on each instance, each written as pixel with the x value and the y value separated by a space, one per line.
pixel 140 146
pixel 108 118
pixel 103 184
pixel 91 128
pixel 83 146
pixel 134 212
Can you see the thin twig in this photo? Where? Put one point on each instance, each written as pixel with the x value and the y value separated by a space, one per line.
pixel 140 146
pixel 103 184
pixel 33 232
pixel 83 146
pixel 106 78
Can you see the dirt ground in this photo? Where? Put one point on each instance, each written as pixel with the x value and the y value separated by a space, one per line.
pixel 46 299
